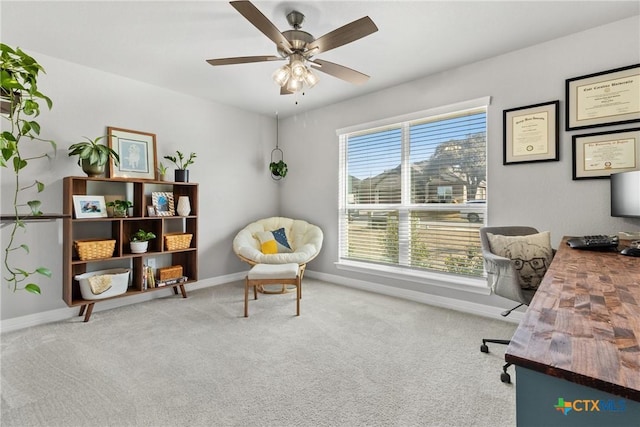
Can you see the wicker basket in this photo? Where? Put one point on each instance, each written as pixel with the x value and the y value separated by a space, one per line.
pixel 174 242
pixel 94 248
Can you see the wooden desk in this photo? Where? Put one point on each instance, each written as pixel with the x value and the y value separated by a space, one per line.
pixel 580 338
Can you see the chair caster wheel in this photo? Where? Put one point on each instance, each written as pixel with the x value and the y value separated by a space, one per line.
pixel 484 348
pixel 505 378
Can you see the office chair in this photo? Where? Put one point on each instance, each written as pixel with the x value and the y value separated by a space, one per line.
pixel 503 278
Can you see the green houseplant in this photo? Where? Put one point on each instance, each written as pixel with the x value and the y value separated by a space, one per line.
pixel 140 241
pixel 92 156
pixel 20 105
pixel 182 163
pixel 278 169
pixel 162 171
pixel 120 207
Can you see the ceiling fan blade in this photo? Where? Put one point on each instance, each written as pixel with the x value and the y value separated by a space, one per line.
pixel 243 60
pixel 343 35
pixel 339 71
pixel 261 22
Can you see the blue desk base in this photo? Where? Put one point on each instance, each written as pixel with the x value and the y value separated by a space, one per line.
pixel 538 397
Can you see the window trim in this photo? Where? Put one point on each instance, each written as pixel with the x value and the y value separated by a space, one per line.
pixel 398 272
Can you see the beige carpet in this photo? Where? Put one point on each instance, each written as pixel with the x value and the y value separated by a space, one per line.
pixel 352 358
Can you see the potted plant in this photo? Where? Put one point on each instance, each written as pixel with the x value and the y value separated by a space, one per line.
pixel 140 241
pixel 120 207
pixel 92 156
pixel 278 169
pixel 181 173
pixel 20 105
pixel 162 172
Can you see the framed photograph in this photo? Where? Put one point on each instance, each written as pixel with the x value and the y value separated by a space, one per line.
pixel 598 155
pixel 530 134
pixel 602 99
pixel 137 152
pixel 163 203
pixel 89 207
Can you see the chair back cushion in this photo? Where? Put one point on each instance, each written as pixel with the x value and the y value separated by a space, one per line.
pixel 530 255
pixel 304 239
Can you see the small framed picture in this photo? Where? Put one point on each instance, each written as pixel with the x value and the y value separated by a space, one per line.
pixel 598 155
pixel 89 207
pixel 151 211
pixel 163 203
pixel 137 152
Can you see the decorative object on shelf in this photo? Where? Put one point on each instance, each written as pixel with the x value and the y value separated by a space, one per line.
pixel 177 241
pixel 140 241
pixel 163 203
pixel 162 172
pixel 278 168
pixel 603 99
pixel 20 101
pixel 151 211
pixel 89 207
pixel 120 208
pixel 92 156
pixel 89 249
pixel 168 273
pixel 103 283
pixel 531 133
pixel 181 173
pixel 137 151
pixel 184 206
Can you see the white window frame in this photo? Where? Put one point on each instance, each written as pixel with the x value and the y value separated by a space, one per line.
pixel 469 284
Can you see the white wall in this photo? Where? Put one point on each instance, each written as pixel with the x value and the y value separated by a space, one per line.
pixel 235 187
pixel 233 148
pixel 542 195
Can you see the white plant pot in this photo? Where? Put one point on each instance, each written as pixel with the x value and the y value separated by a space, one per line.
pixel 139 247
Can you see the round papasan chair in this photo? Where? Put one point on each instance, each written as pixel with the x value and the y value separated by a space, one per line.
pixel 304 239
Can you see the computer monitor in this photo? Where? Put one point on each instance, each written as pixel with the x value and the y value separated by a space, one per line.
pixel 625 194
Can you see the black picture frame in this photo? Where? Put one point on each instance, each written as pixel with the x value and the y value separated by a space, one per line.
pixel 598 155
pixel 605 98
pixel 531 133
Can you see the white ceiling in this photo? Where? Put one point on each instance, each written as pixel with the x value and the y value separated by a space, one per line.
pixel 166 43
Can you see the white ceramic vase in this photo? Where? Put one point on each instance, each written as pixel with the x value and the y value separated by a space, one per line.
pixel 184 206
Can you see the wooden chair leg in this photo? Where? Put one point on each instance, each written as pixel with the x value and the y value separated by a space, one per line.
pixel 298 295
pixel 246 297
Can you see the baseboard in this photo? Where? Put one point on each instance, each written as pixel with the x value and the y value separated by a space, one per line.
pixel 65 313
pixel 421 297
pixel 60 314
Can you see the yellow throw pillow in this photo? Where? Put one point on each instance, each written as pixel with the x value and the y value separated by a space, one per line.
pixel 274 242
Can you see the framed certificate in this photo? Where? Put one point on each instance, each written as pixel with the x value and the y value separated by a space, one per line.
pixel 530 134
pixel 598 155
pixel 602 99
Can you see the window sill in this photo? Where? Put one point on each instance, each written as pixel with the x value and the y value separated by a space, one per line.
pixel 460 283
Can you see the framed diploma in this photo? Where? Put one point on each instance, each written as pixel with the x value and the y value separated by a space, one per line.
pixel 602 99
pixel 530 134
pixel 598 155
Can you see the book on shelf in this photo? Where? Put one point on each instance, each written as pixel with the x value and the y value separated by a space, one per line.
pixel 170 282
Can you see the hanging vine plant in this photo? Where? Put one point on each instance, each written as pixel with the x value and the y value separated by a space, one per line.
pixel 278 169
pixel 20 106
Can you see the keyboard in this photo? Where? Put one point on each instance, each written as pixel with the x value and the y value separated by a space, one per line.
pixel 595 242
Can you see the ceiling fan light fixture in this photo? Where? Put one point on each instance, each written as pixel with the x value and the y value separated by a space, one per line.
pixel 294 85
pixel 298 69
pixel 311 79
pixel 281 75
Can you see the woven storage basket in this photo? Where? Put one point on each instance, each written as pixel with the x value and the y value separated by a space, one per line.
pixel 175 242
pixel 94 248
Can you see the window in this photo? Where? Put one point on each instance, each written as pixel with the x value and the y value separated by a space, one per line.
pixel 413 191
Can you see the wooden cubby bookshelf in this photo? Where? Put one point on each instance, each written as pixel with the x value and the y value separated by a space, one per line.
pixel 120 229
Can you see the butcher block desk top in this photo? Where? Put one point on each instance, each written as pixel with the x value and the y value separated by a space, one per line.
pixel 583 324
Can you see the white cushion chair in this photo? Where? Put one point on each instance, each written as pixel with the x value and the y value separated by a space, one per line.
pixel 305 241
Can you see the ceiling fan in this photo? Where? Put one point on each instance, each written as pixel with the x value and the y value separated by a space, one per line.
pixel 300 47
